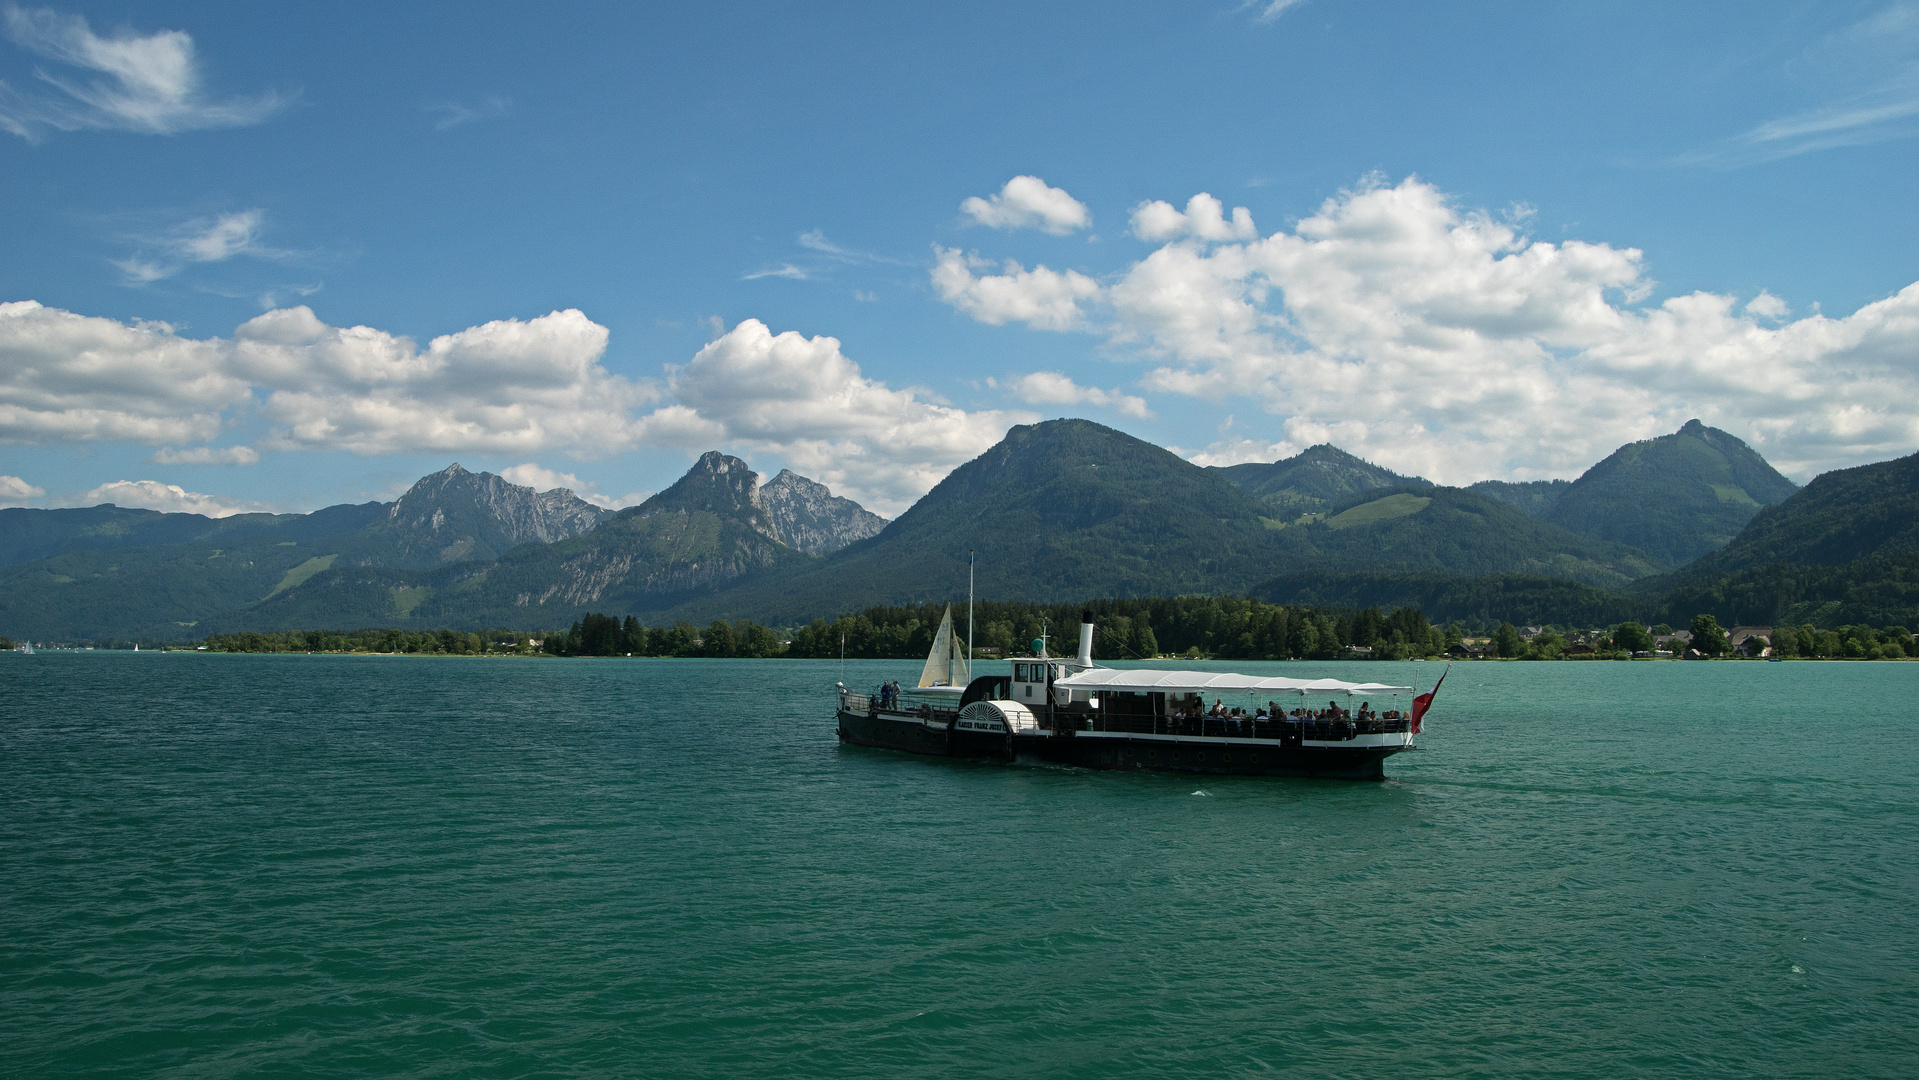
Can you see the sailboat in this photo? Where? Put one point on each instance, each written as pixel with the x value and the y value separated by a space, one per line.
pixel 946 661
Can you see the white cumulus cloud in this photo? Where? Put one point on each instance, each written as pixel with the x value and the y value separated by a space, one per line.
pixel 1026 202
pixel 505 386
pixel 15 491
pixel 67 377
pixel 167 498
pixel 1054 388
pixel 206 455
pixel 804 400
pixel 125 81
pixel 1203 219
pixel 1448 343
pixel 1041 298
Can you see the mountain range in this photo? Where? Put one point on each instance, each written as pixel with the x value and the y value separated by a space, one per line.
pixel 1058 511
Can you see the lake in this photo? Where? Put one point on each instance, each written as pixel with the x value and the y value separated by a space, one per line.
pixel 328 866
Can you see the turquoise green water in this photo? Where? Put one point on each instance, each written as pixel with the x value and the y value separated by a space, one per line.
pixel 220 866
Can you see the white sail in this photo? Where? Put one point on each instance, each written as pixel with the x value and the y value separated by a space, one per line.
pixel 939 659
pixel 957 668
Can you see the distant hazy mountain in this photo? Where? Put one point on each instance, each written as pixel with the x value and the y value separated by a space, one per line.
pixel 100 585
pixel 812 519
pixel 1535 497
pixel 1306 482
pixel 705 531
pixel 1675 497
pixel 29 534
pixel 164 591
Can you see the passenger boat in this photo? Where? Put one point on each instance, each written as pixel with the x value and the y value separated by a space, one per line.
pixel 1072 712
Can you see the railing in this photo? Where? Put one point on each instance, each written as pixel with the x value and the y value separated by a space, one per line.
pixel 1243 727
pixel 854 701
pixel 1284 729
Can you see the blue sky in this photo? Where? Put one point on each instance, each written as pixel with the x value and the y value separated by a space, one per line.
pixel 288 257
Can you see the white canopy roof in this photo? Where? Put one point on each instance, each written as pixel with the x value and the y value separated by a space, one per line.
pixel 1223 682
pixel 933 690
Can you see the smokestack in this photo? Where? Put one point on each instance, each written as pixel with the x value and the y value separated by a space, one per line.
pixel 1085 659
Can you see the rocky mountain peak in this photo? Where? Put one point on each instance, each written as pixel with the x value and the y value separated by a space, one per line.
pixel 717 484
pixel 809 517
pixel 800 513
pixel 470 514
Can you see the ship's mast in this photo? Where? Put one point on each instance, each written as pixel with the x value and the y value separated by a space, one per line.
pixel 969 614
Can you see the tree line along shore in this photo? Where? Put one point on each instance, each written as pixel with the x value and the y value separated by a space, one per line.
pixel 1193 627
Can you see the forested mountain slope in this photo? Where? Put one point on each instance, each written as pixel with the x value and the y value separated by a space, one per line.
pixel 1844 549
pixel 1841 516
pixel 1675 497
pixel 1535 497
pixel 1311 479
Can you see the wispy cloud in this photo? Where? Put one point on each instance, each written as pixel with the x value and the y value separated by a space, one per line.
pixel 452 114
pixel 163 254
pixel 1268 10
pixel 816 240
pixel 785 270
pixel 124 81
pixel 1871 72
pixel 826 257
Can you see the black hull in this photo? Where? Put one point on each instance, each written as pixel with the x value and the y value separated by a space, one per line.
pixel 1211 756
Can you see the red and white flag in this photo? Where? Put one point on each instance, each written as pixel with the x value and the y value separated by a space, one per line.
pixel 1425 700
